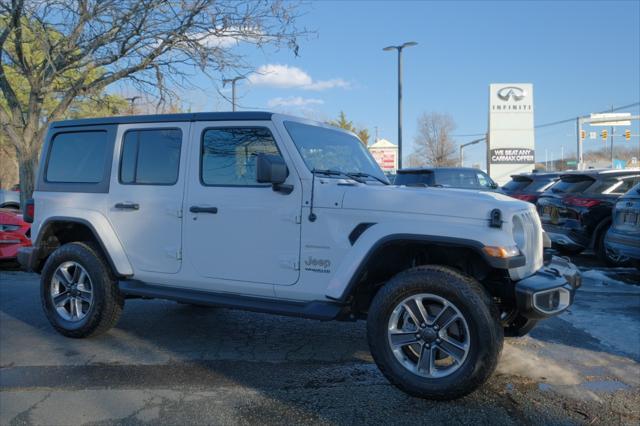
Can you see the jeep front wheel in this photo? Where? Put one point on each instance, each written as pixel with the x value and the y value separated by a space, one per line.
pixel 432 333
pixel 79 293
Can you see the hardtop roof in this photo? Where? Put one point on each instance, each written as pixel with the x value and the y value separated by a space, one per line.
pixel 167 118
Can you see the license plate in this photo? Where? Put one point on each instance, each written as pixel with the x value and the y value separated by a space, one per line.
pixel 630 218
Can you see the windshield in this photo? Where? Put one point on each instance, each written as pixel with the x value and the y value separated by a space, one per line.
pixel 327 149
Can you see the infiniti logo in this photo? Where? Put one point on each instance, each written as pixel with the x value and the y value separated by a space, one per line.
pixel 511 92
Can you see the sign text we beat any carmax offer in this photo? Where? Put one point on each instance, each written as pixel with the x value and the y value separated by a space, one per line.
pixel 511 135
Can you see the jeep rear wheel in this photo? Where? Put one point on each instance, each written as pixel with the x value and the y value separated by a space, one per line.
pixel 79 293
pixel 432 333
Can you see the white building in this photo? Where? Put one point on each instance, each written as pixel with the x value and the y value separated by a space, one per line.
pixel 386 155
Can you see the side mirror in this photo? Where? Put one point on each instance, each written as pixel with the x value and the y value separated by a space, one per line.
pixel 272 169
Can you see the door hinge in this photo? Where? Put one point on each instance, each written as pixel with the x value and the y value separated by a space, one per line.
pixel 179 213
pixel 179 254
pixel 298 219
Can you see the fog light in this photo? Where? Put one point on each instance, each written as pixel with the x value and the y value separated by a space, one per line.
pixel 552 301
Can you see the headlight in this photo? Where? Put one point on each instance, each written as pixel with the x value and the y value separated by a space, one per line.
pixel 519 235
pixel 502 252
pixel 9 228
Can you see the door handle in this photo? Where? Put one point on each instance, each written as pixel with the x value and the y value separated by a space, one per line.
pixel 127 206
pixel 202 209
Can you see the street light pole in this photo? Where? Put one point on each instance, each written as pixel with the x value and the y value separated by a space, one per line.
pixel 399 49
pixel 233 89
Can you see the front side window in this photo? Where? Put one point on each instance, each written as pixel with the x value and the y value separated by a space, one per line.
pixel 151 157
pixel 228 155
pixel 322 148
pixel 77 157
pixel 485 181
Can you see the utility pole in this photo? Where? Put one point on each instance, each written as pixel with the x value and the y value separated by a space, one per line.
pixel 233 89
pixel 579 165
pixel 612 128
pixel 399 49
pixel 462 147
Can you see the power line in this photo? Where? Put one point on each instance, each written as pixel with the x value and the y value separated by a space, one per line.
pixel 555 123
pixel 573 119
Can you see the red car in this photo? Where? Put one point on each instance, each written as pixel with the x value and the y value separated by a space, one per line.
pixel 14 233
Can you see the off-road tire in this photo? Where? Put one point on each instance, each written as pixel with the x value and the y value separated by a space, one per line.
pixel 475 304
pixel 108 302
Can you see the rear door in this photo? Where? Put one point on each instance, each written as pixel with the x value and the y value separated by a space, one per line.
pixel 146 194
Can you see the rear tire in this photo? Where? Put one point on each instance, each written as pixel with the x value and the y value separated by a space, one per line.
pixel 79 292
pixel 475 331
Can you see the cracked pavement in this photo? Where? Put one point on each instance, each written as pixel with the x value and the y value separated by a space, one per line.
pixel 168 363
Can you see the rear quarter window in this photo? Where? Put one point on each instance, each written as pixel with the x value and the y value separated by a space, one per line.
pixel 516 184
pixel 77 157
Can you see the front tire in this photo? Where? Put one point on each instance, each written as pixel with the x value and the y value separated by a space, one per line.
pixel 79 292
pixel 432 333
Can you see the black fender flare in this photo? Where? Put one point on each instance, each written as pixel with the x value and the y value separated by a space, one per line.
pixel 476 246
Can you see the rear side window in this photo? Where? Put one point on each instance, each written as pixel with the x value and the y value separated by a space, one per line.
pixel 601 186
pixel 626 185
pixel 414 179
pixel 228 156
pixel 151 157
pixel 77 157
pixel 456 178
pixel 571 185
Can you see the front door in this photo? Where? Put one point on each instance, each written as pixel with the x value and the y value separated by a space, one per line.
pixel 237 229
pixel 146 194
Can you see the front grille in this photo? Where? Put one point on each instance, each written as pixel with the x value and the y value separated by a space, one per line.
pixel 533 247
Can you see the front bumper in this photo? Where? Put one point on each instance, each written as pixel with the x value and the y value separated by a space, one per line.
pixel 548 292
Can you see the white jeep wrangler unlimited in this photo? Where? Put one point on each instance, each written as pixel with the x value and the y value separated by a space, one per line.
pixel 271 213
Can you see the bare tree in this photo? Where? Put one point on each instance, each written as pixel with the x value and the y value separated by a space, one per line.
pixel 55 51
pixel 433 145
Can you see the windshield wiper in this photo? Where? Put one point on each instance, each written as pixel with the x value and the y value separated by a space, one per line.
pixel 330 172
pixel 362 174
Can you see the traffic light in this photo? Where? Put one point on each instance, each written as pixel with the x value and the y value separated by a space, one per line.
pixel 604 135
pixel 583 134
pixel 627 134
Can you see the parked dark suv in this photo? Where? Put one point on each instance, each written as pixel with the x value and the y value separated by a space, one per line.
pixel 623 237
pixel 529 186
pixel 576 211
pixel 449 177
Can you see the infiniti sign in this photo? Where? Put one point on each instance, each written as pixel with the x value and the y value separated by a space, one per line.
pixel 511 92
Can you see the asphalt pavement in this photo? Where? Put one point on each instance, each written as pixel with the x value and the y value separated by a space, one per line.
pixel 168 363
